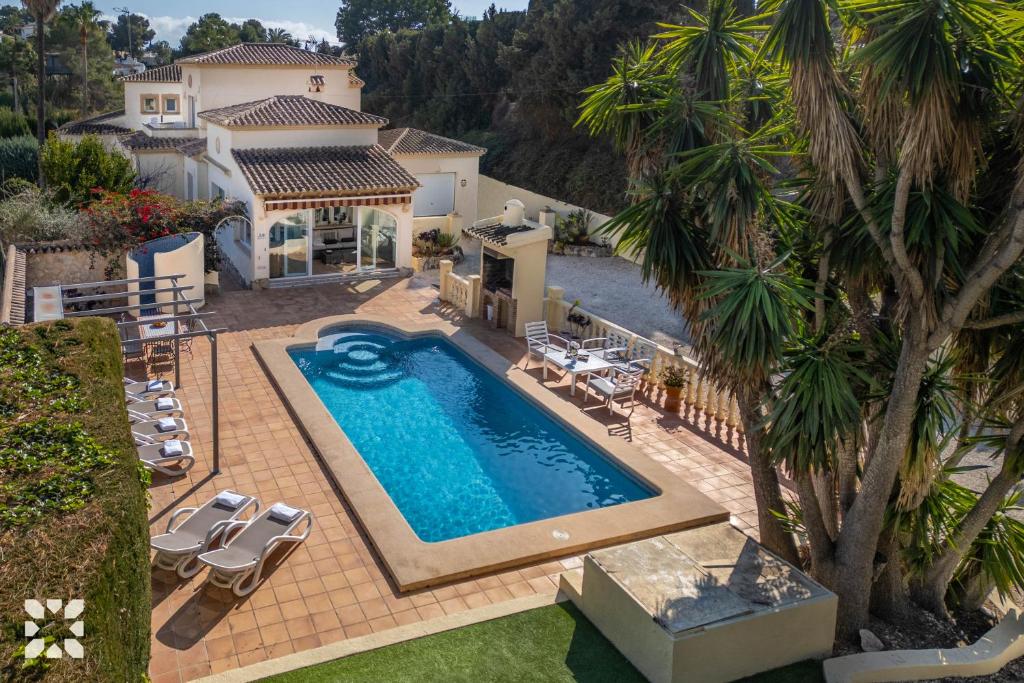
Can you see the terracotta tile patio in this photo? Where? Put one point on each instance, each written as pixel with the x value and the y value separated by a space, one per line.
pixel 333 586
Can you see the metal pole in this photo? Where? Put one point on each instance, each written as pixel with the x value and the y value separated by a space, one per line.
pixel 177 342
pixel 216 403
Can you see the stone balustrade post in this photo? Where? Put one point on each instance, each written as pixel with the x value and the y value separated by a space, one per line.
pixel 554 307
pixel 473 296
pixel 446 269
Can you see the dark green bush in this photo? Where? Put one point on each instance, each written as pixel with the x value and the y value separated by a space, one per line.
pixel 13 124
pixel 19 158
pixel 73 517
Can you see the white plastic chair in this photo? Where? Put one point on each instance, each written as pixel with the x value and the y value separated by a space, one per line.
pixel 539 340
pixel 618 384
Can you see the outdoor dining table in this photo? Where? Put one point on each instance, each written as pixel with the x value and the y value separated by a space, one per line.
pixel 573 366
pixel 152 330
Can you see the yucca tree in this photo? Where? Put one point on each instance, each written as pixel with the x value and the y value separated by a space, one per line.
pixel 867 332
pixel 42 11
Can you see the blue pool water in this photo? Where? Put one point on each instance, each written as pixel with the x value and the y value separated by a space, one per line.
pixel 457 449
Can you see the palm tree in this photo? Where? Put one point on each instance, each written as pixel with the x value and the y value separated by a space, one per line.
pixel 42 11
pixel 84 17
pixel 279 35
pixel 840 218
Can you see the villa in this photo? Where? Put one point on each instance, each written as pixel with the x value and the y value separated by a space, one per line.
pixel 330 193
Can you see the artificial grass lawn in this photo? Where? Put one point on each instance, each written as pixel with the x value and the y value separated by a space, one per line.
pixel 550 644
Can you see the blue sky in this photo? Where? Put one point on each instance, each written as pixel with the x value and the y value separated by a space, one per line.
pixel 300 17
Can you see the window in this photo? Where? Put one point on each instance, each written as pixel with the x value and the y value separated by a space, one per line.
pixel 436 195
pixel 190 191
pixel 150 104
pixel 216 191
pixel 171 104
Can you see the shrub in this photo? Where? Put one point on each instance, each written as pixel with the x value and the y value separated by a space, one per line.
pixel 573 228
pixel 116 222
pixel 74 170
pixel 13 124
pixel 73 520
pixel 27 216
pixel 19 158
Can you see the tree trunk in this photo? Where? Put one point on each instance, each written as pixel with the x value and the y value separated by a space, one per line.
pixel 767 491
pixel 85 76
pixel 931 592
pixel 890 598
pixel 41 95
pixel 858 541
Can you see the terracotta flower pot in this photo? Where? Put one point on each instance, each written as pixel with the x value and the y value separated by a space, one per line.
pixel 673 400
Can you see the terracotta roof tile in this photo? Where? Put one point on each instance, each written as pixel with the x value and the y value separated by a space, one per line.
pixel 192 146
pixel 290 110
pixel 96 125
pixel 266 54
pixel 150 143
pixel 341 171
pixel 414 141
pixel 495 233
pixel 169 73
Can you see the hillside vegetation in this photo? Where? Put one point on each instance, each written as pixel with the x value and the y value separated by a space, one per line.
pixel 511 81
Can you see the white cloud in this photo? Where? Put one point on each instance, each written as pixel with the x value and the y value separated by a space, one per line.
pixel 172 29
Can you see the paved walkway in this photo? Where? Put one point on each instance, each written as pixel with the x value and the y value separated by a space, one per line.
pixel 612 288
pixel 334 587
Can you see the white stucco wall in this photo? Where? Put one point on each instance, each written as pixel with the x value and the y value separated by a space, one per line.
pixel 133 91
pixel 302 137
pixel 493 194
pixel 220 86
pixel 164 170
pixel 465 168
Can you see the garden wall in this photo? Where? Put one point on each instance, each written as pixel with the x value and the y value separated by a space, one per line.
pixel 494 194
pixel 73 511
pixel 58 262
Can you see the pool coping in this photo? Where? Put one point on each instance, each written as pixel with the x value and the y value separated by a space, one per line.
pixel 416 564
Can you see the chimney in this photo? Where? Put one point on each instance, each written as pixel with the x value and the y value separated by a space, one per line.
pixel 514 211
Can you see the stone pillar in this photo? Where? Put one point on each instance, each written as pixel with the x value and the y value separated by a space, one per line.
pixel 473 300
pixel 446 269
pixel 454 224
pixel 552 312
pixel 548 217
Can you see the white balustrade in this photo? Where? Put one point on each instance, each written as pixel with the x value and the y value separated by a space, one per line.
pixel 702 397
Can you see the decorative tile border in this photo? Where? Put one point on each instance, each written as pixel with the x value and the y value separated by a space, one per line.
pixel 415 564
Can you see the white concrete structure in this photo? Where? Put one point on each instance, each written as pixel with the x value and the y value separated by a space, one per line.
pixel 328 192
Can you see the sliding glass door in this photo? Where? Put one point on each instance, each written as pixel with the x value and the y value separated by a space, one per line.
pixel 378 236
pixel 289 246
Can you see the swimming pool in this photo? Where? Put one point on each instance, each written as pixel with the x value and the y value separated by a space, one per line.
pixel 458 451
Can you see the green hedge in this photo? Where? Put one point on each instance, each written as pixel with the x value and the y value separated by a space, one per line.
pixel 13 124
pixel 19 158
pixel 73 508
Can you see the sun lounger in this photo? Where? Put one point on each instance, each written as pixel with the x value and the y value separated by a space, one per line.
pixel 239 564
pixel 148 390
pixel 155 431
pixel 144 411
pixel 156 456
pixel 179 547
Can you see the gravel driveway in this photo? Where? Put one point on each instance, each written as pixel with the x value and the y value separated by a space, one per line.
pixel 609 287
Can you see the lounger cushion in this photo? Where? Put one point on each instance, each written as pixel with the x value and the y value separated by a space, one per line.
pixel 172 448
pixel 230 499
pixel 155 385
pixel 284 513
pixel 165 404
pixel 166 424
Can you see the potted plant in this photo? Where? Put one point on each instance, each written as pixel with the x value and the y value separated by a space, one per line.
pixel 674 379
